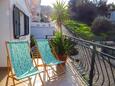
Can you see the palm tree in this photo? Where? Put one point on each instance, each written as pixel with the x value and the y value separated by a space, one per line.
pixel 60 13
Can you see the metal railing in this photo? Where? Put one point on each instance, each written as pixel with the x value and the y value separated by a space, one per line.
pixel 94 62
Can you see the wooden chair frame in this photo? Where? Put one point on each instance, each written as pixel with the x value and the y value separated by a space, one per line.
pixel 46 65
pixel 11 74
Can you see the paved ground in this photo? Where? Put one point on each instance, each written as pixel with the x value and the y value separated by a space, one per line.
pixel 67 79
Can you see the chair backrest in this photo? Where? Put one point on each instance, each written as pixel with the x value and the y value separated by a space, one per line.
pixel 45 51
pixel 20 57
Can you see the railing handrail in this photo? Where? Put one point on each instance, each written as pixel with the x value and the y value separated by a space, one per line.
pixel 96 61
pixel 99 65
pixel 90 42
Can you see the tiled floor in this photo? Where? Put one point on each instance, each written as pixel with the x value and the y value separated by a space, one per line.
pixel 67 79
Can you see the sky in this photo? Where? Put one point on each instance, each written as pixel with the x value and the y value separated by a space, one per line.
pixel 50 2
pixel 110 1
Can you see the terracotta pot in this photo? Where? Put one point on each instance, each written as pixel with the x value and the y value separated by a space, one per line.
pixel 59 56
pixel 62 58
pixel 61 67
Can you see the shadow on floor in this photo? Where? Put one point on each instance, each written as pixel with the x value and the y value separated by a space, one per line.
pixel 3 73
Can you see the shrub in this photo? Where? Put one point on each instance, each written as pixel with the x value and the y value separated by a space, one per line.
pixel 80 29
pixel 84 31
pixel 102 27
pixel 86 12
pixel 61 44
pixel 71 24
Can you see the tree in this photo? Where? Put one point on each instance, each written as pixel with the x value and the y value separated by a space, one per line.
pixel 102 27
pixel 101 6
pixel 86 12
pixel 99 2
pixel 73 7
pixel 103 9
pixel 60 13
pixel 81 9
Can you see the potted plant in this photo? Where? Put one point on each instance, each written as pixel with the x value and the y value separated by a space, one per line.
pixel 33 47
pixel 62 46
pixel 32 41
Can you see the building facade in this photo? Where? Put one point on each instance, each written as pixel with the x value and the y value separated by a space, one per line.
pixel 14 23
pixel 35 10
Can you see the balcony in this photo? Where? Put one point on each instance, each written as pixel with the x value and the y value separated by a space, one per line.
pixel 69 78
pixel 93 66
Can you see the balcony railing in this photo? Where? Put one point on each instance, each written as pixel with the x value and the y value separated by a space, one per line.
pixel 95 62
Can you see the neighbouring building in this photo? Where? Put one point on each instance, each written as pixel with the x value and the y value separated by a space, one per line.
pixel 35 10
pixel 14 24
pixel 46 13
pixel 112 12
pixel 112 16
pixel 41 30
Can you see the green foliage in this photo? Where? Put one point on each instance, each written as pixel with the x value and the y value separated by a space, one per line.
pixel 71 24
pixel 62 46
pixel 81 29
pixel 32 41
pixel 87 10
pixel 84 31
pixel 60 12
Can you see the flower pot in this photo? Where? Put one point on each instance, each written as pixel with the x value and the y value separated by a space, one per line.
pixel 61 67
pixel 62 58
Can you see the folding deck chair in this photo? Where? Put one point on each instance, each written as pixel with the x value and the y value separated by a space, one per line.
pixel 20 63
pixel 47 56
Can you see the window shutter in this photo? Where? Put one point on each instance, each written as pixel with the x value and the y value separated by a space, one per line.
pixel 26 18
pixel 16 22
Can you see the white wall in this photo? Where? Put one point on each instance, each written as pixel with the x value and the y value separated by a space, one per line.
pixel 40 30
pixel 22 6
pixel 6 25
pixel 36 24
pixel 4 30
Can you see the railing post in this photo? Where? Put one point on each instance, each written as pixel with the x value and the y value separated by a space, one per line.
pixel 91 75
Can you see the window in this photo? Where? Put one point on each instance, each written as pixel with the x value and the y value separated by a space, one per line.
pixel 16 22
pixel 26 20
pixel 20 23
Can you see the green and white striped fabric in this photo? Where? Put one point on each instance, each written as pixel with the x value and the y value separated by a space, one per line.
pixel 21 59
pixel 45 51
